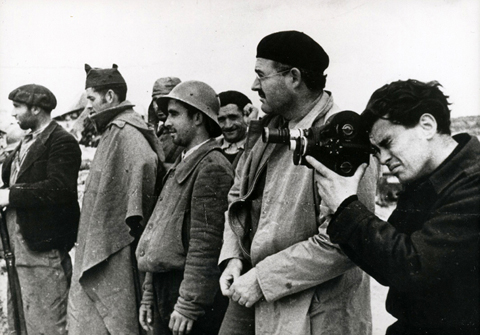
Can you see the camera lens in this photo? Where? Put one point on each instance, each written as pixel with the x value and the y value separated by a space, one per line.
pixel 273 135
pixel 348 130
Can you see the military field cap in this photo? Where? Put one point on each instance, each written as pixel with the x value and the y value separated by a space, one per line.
pixel 102 78
pixel 293 48
pixel 164 86
pixel 35 95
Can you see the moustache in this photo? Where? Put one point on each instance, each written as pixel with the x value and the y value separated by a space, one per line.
pixel 261 94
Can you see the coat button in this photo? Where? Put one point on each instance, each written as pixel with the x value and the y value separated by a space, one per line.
pixel 288 285
pixel 142 253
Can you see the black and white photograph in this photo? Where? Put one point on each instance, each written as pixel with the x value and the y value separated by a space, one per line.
pixel 244 167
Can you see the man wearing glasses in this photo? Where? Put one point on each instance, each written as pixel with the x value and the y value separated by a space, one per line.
pixel 276 255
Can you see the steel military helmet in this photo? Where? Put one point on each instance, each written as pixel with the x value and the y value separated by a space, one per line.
pixel 198 95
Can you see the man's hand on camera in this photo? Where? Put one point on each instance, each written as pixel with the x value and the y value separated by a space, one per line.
pixel 333 188
pixel 246 289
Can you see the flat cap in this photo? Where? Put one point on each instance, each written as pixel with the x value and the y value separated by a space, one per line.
pixel 35 95
pixel 293 48
pixel 102 78
pixel 163 86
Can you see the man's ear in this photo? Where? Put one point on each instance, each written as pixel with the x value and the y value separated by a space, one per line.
pixel 35 110
pixel 428 125
pixel 198 118
pixel 296 77
pixel 110 96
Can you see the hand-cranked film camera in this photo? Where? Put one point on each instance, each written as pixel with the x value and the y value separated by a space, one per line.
pixel 341 144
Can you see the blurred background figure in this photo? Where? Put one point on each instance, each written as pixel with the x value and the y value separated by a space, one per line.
pixel 73 120
pixel 10 136
pixel 157 117
pixel 68 119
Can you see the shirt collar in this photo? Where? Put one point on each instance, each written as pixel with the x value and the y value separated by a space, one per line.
pixel 233 148
pixel 33 135
pixel 187 153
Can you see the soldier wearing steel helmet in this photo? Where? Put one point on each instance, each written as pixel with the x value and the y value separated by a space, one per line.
pixel 180 247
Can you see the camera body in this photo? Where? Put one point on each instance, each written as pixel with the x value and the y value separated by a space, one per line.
pixel 342 144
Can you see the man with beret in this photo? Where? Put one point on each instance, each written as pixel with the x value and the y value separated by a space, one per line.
pixel 120 193
pixel 157 117
pixel 236 110
pixel 180 247
pixel 277 258
pixel 40 176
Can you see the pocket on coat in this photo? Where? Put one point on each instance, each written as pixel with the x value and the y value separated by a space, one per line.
pixel 164 250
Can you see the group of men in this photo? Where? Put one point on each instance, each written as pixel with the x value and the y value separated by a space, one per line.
pixel 191 224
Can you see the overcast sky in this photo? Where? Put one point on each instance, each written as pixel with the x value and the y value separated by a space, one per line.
pixel 370 43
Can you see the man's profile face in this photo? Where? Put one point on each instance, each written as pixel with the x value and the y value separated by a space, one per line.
pixel 271 87
pixel 232 122
pixel 96 102
pixel 403 150
pixel 179 124
pixel 24 115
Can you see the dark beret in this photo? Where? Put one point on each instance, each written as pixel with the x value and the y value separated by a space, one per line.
pixel 293 48
pixel 103 78
pixel 35 95
pixel 233 97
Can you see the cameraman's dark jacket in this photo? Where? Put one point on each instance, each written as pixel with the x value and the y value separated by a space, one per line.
pixel 428 252
pixel 45 192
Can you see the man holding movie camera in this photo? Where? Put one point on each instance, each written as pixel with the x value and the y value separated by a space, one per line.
pixel 428 251
pixel 276 254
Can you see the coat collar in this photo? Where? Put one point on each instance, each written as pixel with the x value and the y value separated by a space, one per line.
pixel 37 149
pixel 261 154
pixel 103 118
pixel 184 168
pixel 461 160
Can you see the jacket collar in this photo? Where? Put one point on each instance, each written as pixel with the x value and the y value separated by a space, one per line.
pixel 323 107
pixel 37 149
pixel 183 168
pixel 462 159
